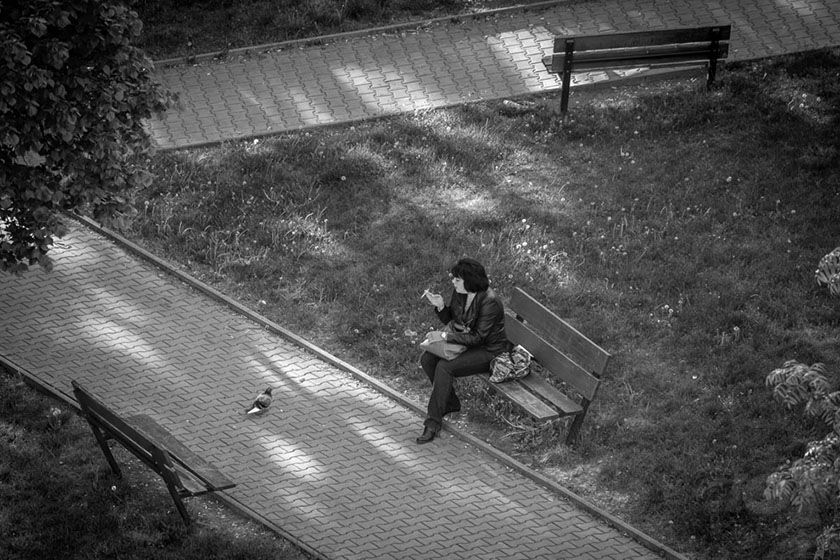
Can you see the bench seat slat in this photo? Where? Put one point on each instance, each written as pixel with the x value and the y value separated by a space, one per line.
pixel 540 387
pixel 195 466
pixel 517 393
pixel 557 67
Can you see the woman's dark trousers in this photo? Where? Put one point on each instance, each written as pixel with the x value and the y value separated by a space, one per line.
pixel 442 373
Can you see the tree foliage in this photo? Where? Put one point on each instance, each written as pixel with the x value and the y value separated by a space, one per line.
pixel 814 480
pixel 828 272
pixel 73 93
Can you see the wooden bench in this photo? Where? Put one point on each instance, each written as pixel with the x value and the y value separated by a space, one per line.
pixel 563 353
pixel 674 47
pixel 184 473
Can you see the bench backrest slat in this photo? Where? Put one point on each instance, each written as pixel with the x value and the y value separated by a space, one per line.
pixel 119 429
pixel 644 38
pixel 560 334
pixel 556 64
pixel 551 358
pixel 642 56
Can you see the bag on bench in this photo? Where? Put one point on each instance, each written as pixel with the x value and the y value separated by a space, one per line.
pixel 515 364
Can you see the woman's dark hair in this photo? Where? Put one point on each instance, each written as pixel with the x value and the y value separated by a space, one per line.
pixel 472 273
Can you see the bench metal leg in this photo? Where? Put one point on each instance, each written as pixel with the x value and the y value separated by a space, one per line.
pixel 574 429
pixel 713 58
pixel 173 483
pixel 712 70
pixel 179 503
pixel 567 75
pixel 564 94
pixel 106 450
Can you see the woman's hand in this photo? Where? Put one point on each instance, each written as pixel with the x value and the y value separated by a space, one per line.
pixel 435 336
pixel 434 299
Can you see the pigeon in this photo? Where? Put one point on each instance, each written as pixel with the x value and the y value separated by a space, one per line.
pixel 261 403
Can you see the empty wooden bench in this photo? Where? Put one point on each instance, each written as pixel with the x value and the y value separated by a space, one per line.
pixel 184 473
pixel 642 49
pixel 563 353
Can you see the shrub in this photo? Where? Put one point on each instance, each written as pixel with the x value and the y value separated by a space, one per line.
pixel 828 272
pixel 812 482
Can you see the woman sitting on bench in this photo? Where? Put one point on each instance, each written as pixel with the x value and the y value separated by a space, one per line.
pixel 477 319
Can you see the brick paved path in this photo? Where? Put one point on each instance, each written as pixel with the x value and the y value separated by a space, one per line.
pixel 333 463
pixel 446 63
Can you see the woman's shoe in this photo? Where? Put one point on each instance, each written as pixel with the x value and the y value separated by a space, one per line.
pixel 429 434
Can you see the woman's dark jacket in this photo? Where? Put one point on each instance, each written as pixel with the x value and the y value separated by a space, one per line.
pixel 484 321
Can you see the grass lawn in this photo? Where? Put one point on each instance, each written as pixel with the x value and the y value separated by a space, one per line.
pixel 678 228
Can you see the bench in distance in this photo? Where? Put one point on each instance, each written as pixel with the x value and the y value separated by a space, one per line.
pixel 563 353
pixel 642 49
pixel 185 473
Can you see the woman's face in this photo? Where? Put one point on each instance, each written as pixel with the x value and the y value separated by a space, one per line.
pixel 458 284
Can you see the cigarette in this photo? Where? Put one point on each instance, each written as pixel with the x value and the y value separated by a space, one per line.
pixel 424 293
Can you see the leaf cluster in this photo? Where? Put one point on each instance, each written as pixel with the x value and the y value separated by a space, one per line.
pixel 828 272
pixel 73 93
pixel 795 383
pixel 813 480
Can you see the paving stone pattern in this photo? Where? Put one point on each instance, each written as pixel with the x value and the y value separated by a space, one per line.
pixel 446 63
pixel 333 462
